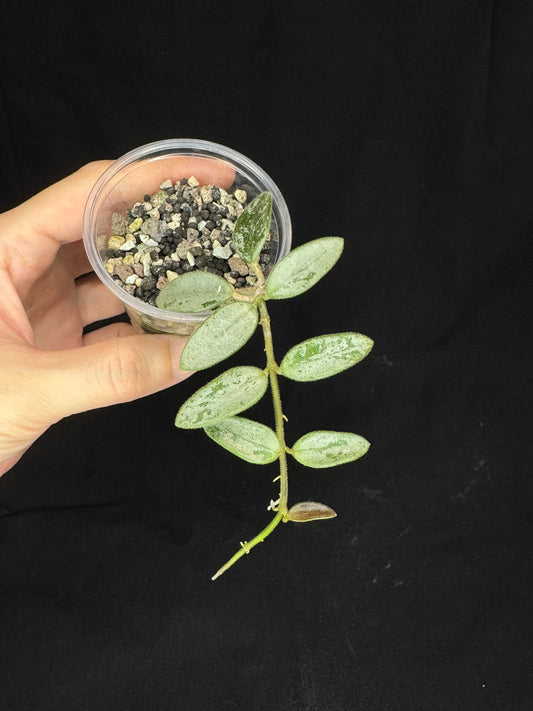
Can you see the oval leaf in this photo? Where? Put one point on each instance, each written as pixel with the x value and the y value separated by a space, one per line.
pixel 220 335
pixel 303 267
pixel 308 511
pixel 323 448
pixel 252 228
pixel 323 356
pixel 194 292
pixel 247 439
pixel 231 392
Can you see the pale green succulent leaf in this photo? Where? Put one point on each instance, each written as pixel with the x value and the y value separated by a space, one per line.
pixel 325 448
pixel 250 440
pixel 308 511
pixel 233 391
pixel 219 336
pixel 323 356
pixel 252 228
pixel 303 267
pixel 194 292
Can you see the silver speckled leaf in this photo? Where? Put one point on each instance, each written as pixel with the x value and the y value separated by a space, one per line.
pixel 233 391
pixel 220 335
pixel 252 441
pixel 303 267
pixel 324 448
pixel 252 228
pixel 323 356
pixel 194 292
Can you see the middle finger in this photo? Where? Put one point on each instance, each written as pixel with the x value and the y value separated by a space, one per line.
pixel 95 301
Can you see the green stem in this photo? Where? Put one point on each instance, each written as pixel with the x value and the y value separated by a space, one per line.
pixel 272 370
pixel 247 546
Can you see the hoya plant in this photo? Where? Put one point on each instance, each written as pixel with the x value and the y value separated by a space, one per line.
pixel 236 314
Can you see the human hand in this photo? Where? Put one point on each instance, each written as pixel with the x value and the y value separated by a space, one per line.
pixel 48 293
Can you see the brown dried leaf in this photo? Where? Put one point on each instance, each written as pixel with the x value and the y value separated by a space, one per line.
pixel 309 511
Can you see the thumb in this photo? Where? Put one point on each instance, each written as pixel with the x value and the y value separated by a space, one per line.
pixel 108 372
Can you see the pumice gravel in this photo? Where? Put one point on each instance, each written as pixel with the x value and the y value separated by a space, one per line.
pixel 182 227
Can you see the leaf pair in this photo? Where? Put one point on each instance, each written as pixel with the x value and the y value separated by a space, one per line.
pixel 199 291
pixel 231 326
pixel 258 444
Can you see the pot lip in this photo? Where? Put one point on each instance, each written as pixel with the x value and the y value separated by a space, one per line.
pixel 157 150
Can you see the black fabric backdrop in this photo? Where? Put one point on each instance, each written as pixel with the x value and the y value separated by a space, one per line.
pixel 405 127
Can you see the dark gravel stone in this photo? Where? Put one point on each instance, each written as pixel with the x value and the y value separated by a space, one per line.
pixel 148 283
pixel 138 211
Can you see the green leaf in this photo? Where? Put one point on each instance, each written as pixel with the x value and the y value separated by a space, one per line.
pixel 194 292
pixel 233 391
pixel 303 267
pixel 220 335
pixel 323 356
pixel 323 448
pixel 247 439
pixel 309 511
pixel 252 228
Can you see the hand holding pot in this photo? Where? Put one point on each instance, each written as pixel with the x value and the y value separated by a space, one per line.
pixel 48 294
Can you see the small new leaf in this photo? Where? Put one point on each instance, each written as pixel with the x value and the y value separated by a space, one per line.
pixel 252 228
pixel 324 448
pixel 194 292
pixel 303 267
pixel 252 441
pixel 324 356
pixel 233 391
pixel 308 511
pixel 220 335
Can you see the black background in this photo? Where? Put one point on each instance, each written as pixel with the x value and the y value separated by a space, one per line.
pixel 406 128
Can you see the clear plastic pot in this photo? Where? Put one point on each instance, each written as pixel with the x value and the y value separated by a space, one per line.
pixel 140 172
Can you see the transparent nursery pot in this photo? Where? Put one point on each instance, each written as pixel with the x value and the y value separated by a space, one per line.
pixel 141 172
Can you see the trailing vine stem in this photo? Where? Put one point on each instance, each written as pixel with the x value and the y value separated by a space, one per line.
pixel 236 313
pixel 272 369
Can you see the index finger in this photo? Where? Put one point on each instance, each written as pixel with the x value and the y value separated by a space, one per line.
pixel 57 211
